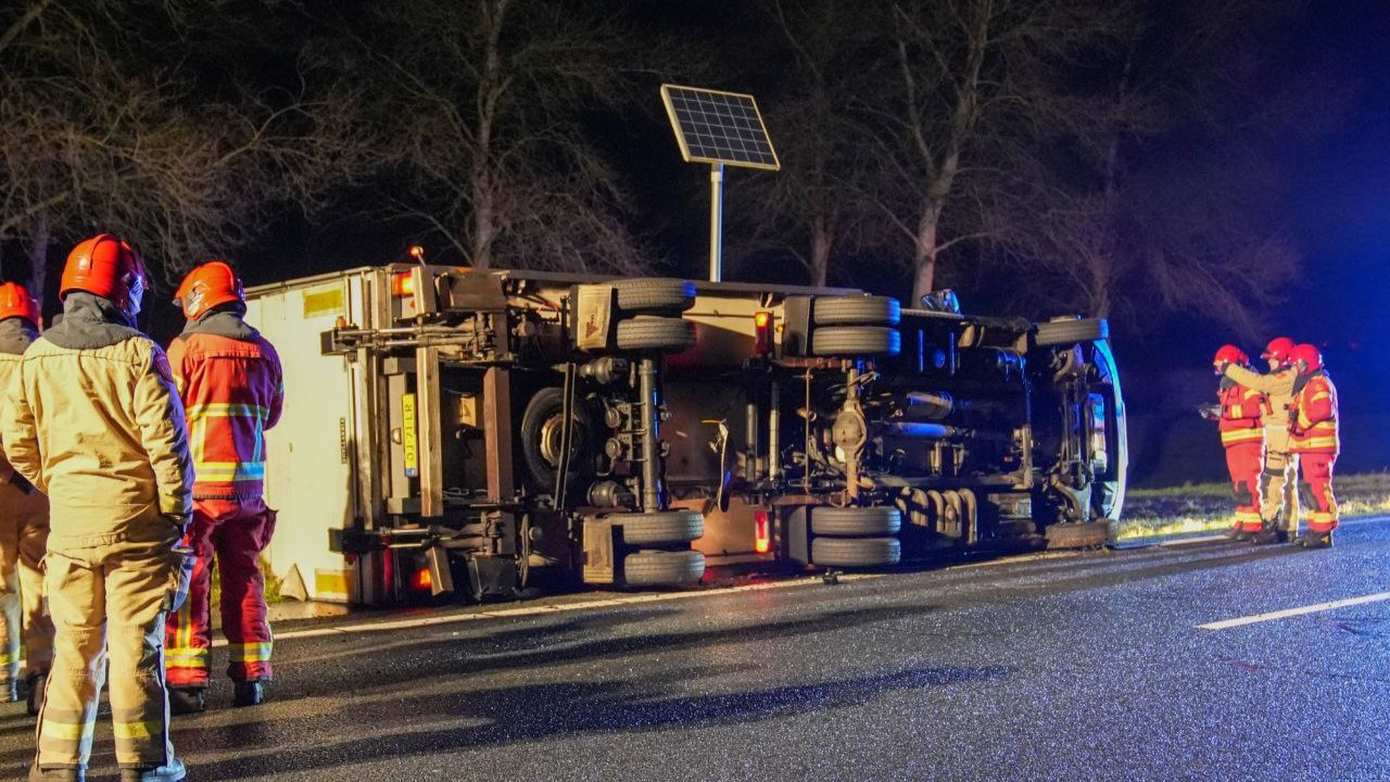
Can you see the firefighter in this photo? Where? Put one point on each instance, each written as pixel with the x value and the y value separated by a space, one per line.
pixel 1313 426
pixel 231 382
pixel 1239 417
pixel 23 530
pixel 1279 482
pixel 93 420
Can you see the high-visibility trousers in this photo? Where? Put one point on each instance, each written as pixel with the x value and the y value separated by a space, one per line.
pixel 111 600
pixel 1317 473
pixel 235 532
pixel 1279 498
pixel 23 541
pixel 1245 463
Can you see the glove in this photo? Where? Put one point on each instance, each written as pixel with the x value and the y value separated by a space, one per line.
pixel 179 520
pixel 1209 412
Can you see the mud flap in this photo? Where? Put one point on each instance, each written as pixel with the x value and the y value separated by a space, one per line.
pixel 491 577
pixel 1094 534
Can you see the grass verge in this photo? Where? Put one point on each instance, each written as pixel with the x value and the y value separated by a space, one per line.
pixel 1208 507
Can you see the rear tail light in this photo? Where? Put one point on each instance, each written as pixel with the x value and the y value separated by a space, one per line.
pixel 422 581
pixel 402 285
pixel 762 333
pixel 762 531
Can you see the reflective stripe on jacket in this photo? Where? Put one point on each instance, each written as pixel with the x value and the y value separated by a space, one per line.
pixel 1314 427
pixel 101 432
pixel 1241 412
pixel 234 391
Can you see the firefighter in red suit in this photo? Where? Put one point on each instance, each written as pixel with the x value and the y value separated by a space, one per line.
pixel 1242 435
pixel 232 386
pixel 1313 427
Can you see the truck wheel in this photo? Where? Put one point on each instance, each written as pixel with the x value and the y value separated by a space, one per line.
pixel 659 529
pixel 540 438
pixel 655 295
pixel 1094 534
pixel 855 552
pixel 651 333
pixel 857 311
pixel 855 341
pixel 663 568
pixel 856 522
pixel 1070 332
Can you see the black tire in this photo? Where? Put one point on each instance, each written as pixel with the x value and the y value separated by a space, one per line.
pixel 1093 534
pixel 857 311
pixel 547 404
pixel 856 522
pixel 651 333
pixel 855 552
pixel 655 295
pixel 663 568
pixel 855 341
pixel 1070 332
pixel 660 529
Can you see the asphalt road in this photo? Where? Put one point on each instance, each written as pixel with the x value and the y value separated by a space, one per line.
pixel 1059 667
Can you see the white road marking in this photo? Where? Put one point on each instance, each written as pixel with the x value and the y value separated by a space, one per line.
pixel 1227 624
pixel 545 608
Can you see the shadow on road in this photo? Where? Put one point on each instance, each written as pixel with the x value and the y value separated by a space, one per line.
pixel 539 712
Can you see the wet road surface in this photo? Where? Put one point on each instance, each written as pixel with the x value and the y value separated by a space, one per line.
pixel 1087 666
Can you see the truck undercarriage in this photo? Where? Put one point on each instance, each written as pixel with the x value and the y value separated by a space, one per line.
pixel 497 427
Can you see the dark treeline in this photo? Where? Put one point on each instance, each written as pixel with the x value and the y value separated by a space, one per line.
pixel 1107 157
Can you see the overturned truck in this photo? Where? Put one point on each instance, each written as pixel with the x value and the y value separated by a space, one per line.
pixel 472 432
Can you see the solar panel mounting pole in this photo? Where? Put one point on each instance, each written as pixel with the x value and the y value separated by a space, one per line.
pixel 719 128
pixel 716 222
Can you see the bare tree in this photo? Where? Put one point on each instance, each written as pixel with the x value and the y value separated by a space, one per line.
pixel 973 92
pixel 1169 208
pixel 481 107
pixel 103 136
pixel 812 211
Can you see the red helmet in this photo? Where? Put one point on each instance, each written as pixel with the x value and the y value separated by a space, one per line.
pixel 1230 354
pixel 1279 350
pixel 210 285
pixel 15 302
pixel 107 267
pixel 1307 354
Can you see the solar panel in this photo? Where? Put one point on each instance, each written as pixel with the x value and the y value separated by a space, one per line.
pixel 719 127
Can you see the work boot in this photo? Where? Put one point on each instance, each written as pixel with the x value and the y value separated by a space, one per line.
pixel 56 774
pixel 1266 536
pixel 187 700
pixel 38 684
pixel 173 771
pixel 1317 540
pixel 248 694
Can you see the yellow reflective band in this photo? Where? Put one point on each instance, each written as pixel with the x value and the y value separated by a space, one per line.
pixel 1242 515
pixel 66 731
pixel 227 410
pixel 186 658
pixel 7 659
pixel 138 730
pixel 1242 435
pixel 1318 442
pixel 249 653
pixel 229 472
pixel 1321 395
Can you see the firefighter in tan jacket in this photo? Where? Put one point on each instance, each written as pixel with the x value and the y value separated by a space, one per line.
pixel 93 420
pixel 23 529
pixel 1279 504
